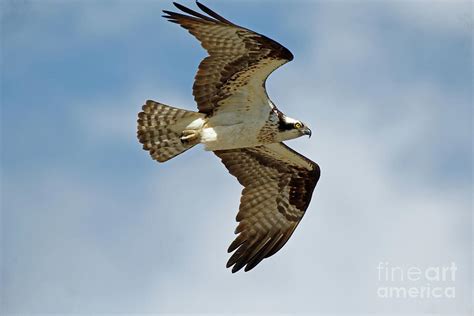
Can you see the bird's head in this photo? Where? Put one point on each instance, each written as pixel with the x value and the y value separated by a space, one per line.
pixel 290 128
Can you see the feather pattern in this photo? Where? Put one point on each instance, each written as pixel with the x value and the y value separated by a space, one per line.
pixel 239 60
pixel 160 127
pixel 278 185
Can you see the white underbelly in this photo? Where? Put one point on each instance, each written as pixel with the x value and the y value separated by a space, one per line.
pixel 229 137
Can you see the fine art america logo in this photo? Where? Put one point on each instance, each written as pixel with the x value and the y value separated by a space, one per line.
pixel 431 282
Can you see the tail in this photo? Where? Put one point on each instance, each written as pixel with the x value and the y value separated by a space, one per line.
pixel 160 128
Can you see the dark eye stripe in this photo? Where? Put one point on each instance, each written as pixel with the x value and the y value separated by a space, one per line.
pixel 283 126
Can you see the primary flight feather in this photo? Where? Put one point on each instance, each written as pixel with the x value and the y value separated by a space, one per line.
pixel 241 125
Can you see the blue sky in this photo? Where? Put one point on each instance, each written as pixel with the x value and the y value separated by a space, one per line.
pixel 90 224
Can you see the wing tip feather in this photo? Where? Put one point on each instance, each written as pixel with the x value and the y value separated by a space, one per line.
pixel 210 17
pixel 213 14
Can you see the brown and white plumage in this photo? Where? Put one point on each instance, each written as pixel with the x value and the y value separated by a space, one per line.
pixel 160 127
pixel 278 185
pixel 239 59
pixel 237 121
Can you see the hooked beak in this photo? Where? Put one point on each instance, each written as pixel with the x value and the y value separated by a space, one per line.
pixel 307 131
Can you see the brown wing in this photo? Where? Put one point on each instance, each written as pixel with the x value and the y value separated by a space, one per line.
pixel 278 185
pixel 238 57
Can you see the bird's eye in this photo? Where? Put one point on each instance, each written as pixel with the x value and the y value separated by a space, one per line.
pixel 298 125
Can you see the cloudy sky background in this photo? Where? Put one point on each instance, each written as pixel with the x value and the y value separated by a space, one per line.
pixel 90 224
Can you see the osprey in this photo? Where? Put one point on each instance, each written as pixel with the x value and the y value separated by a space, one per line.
pixel 241 125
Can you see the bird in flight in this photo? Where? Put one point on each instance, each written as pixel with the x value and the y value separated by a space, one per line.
pixel 241 125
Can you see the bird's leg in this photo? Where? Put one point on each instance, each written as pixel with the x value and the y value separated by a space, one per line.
pixel 189 136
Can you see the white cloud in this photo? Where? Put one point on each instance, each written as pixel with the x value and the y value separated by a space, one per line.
pixel 436 16
pixel 108 19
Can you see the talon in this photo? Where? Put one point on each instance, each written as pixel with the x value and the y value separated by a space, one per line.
pixel 188 136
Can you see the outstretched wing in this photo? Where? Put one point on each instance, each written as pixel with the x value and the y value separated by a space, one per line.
pixel 278 185
pixel 238 64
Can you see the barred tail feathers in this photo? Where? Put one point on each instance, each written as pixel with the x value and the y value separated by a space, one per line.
pixel 160 127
